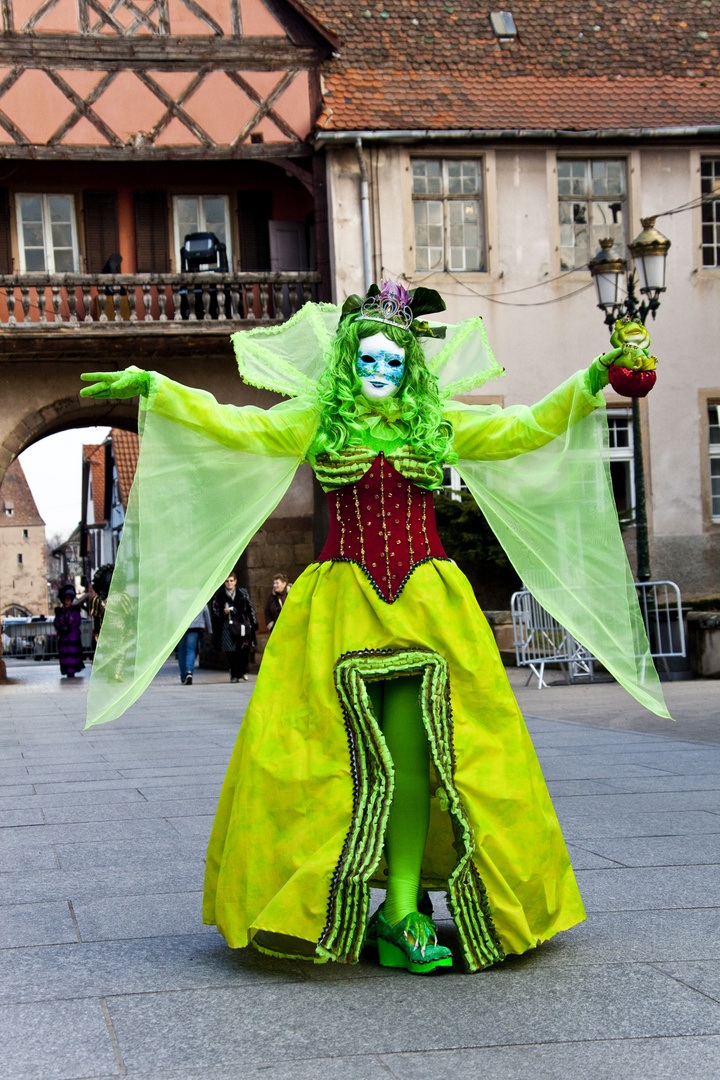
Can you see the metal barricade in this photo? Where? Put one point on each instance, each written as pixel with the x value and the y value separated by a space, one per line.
pixel 661 610
pixel 36 638
pixel 539 639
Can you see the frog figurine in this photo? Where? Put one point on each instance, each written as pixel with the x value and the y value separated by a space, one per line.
pixel 632 373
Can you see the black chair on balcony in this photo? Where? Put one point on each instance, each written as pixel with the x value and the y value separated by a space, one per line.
pixel 202 252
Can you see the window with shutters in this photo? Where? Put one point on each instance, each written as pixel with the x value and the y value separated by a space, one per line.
pixel 254 214
pixel 151 232
pixel 202 213
pixel 101 229
pixel 47 234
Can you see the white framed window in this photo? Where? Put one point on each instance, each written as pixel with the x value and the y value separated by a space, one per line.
pixel 710 212
pixel 592 204
pixel 47 234
pixel 622 467
pixel 714 432
pixel 448 214
pixel 202 213
pixel 453 483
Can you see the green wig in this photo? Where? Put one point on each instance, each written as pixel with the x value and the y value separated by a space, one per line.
pixel 417 401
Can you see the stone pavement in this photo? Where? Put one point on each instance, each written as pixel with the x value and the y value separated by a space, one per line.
pixel 106 970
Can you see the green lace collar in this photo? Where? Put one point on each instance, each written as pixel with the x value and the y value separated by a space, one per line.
pixel 381 422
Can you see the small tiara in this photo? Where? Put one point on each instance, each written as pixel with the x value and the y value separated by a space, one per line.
pixel 387 309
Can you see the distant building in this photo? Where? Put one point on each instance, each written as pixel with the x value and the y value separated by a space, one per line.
pixel 23 585
pixel 70 570
pixel 108 472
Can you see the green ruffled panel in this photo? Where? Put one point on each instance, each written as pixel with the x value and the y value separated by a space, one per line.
pixel 350 465
pixel 373 778
pixel 347 468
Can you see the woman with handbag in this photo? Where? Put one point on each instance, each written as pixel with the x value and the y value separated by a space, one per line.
pixel 239 623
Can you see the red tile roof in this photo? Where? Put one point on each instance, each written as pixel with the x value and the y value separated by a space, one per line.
pixel 575 65
pixel 15 495
pixel 126 448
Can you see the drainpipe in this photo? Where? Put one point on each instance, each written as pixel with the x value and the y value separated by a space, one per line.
pixel 365 214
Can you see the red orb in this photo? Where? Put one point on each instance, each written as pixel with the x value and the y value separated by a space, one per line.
pixel 631 383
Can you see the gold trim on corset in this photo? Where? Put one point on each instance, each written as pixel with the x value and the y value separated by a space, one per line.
pixel 384 526
pixel 424 526
pixel 407 524
pixel 341 524
pixel 359 521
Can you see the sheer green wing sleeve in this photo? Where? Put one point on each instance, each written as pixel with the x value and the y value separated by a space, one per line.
pixel 489 433
pixel 541 478
pixel 284 429
pixel 208 475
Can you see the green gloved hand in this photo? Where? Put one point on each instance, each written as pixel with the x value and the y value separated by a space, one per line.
pixel 116 384
pixel 598 370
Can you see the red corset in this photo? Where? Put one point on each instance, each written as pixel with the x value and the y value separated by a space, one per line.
pixel 386 524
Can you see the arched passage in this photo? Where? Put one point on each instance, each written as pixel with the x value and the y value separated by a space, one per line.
pixel 62 415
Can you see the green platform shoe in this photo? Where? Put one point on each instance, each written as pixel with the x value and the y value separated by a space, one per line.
pixel 425 907
pixel 411 944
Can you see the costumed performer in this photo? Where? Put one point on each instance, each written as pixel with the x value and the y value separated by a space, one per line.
pixel 68 623
pixel 382 745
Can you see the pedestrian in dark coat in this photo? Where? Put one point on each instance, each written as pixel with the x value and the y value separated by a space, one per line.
pixel 239 624
pixel 68 623
pixel 276 599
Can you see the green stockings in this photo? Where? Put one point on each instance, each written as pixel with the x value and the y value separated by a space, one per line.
pixel 396 705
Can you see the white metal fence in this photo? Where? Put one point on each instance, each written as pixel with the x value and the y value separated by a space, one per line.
pixel 35 638
pixel 539 639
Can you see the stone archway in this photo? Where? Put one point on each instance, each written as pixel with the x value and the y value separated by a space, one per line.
pixel 63 414
pixel 39 390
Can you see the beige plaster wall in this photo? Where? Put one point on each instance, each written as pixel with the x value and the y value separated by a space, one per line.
pixel 540 342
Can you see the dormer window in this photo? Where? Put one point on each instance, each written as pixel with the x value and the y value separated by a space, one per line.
pixel 503 25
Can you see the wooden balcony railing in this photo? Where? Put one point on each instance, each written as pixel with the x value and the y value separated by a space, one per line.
pixel 140 301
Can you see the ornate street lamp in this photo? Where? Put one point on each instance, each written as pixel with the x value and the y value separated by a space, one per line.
pixel 649 252
pixel 608 268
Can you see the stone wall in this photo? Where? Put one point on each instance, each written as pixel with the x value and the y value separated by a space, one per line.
pixel 284 545
pixel 23 584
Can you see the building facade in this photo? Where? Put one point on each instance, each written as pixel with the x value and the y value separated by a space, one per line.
pixel 495 154
pixel 161 191
pixel 23 584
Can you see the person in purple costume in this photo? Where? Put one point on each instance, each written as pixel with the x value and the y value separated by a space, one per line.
pixel 67 623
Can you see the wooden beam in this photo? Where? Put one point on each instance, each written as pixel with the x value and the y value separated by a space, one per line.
pixel 105 52
pixel 8 19
pixel 303 175
pixel 150 341
pixel 246 151
pixel 264 107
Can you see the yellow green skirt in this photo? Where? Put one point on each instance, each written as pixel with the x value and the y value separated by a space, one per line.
pixel 298 835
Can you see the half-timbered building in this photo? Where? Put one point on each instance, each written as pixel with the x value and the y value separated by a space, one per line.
pixel 158 190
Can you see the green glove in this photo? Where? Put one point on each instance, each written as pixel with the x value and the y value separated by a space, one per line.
pixel 598 370
pixel 116 384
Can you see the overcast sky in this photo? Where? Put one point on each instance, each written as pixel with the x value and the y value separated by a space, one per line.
pixel 53 468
